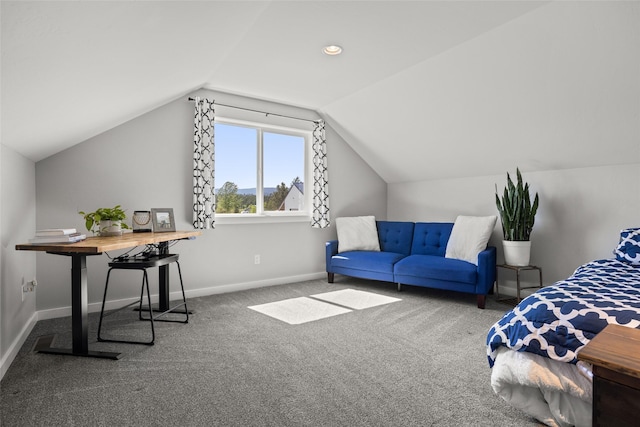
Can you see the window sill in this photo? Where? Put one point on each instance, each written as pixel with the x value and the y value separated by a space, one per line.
pixel 229 219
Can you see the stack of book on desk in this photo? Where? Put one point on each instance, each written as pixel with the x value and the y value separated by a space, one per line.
pixel 57 235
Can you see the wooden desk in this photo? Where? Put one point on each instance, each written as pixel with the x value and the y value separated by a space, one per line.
pixel 615 356
pixel 79 300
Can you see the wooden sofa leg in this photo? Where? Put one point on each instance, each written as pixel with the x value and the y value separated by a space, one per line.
pixel 330 277
pixel 481 300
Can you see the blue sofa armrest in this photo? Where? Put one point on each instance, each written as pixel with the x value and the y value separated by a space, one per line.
pixel 486 270
pixel 331 249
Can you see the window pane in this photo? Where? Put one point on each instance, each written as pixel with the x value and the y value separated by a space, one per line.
pixel 235 168
pixel 283 172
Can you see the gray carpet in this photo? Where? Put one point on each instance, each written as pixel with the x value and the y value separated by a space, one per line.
pixel 417 362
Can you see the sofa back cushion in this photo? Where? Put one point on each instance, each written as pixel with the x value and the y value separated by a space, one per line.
pixel 395 236
pixel 430 238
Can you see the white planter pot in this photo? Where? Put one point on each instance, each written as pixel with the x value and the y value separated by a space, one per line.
pixel 110 228
pixel 516 252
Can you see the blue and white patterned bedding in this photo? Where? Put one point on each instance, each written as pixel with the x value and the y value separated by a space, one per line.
pixel 556 321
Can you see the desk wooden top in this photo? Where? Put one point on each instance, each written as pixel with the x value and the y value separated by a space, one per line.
pixel 616 348
pixel 96 245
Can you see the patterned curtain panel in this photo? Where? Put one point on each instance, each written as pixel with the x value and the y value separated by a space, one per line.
pixel 320 217
pixel 204 202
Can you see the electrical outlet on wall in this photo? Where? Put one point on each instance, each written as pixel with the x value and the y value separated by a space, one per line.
pixel 256 259
pixel 28 287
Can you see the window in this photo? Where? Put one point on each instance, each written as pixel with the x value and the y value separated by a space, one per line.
pixel 260 170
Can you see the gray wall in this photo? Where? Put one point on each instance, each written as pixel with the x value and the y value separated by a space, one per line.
pixel 579 219
pixel 18 219
pixel 147 163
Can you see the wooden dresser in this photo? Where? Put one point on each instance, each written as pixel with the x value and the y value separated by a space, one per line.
pixel 615 356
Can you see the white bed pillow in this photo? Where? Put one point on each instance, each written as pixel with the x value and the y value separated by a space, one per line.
pixel 357 233
pixel 469 237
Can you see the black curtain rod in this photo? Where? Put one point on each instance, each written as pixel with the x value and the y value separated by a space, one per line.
pixel 262 112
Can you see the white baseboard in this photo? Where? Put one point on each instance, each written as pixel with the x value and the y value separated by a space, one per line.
pixel 16 345
pixel 234 287
pixel 54 313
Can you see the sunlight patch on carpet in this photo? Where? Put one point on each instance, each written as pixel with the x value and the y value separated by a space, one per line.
pixel 295 311
pixel 355 299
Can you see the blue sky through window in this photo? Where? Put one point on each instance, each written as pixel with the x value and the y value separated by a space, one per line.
pixel 236 157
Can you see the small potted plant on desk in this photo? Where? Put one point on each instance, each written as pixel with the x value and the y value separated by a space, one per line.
pixel 105 221
pixel 517 214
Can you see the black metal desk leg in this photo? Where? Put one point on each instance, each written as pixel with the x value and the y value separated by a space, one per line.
pixel 79 304
pixel 79 316
pixel 163 280
pixel 164 297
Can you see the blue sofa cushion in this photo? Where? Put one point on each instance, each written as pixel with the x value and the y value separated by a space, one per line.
pixel 395 236
pixel 430 238
pixel 438 268
pixel 381 262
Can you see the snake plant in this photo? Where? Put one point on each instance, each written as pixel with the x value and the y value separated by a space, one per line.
pixel 517 213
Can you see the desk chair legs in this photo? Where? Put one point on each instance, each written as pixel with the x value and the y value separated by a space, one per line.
pixel 145 284
pixel 135 264
pixel 172 309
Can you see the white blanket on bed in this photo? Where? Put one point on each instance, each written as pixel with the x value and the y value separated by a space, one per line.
pixel 556 393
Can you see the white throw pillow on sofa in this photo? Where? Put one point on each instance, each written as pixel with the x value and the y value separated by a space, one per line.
pixel 469 237
pixel 358 233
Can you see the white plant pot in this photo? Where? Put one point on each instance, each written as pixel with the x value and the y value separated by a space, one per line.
pixel 110 228
pixel 516 253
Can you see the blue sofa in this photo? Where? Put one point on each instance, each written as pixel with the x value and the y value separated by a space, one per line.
pixel 414 254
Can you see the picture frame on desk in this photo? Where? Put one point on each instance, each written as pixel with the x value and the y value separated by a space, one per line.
pixel 162 219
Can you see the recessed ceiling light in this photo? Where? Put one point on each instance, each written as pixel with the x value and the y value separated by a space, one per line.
pixel 332 50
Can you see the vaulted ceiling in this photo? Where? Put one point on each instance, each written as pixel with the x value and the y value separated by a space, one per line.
pixel 423 89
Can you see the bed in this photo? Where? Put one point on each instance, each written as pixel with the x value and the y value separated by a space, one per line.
pixel 533 349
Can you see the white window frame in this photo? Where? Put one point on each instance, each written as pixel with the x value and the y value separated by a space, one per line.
pixel 262 216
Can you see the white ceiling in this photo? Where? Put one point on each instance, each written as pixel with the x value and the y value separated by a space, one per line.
pixel 419 91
